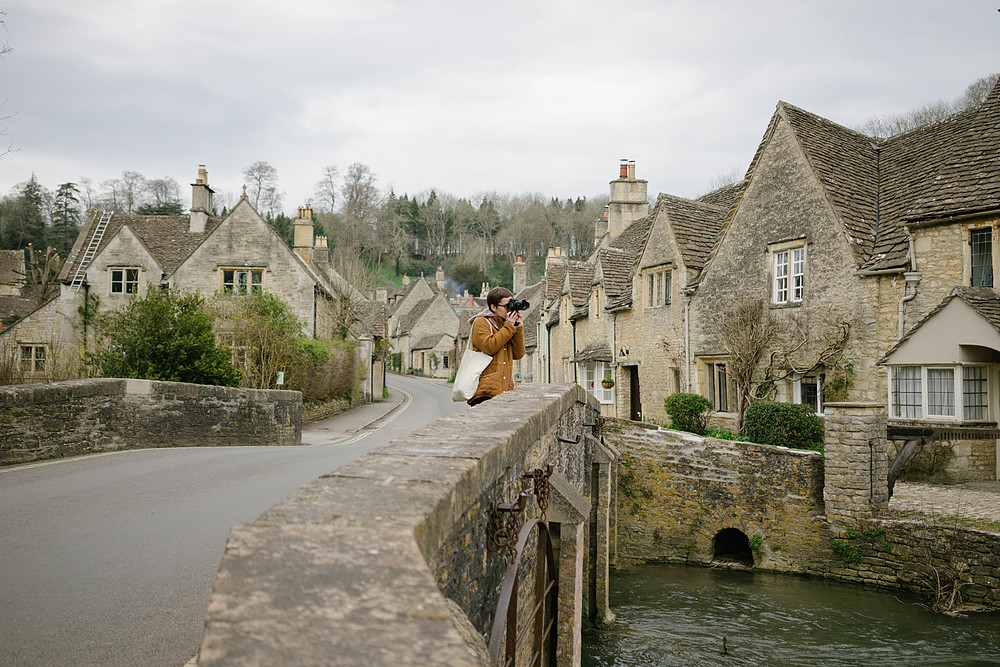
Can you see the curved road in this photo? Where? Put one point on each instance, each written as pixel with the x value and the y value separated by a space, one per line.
pixel 110 559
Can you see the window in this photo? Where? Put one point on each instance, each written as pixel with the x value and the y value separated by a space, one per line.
pixel 242 281
pixel 590 375
pixel 807 391
pixel 906 392
pixel 981 243
pixel 974 393
pixel 719 386
pixel 789 271
pixel 916 391
pixel 658 283
pixel 444 361
pixel 124 281
pixel 33 358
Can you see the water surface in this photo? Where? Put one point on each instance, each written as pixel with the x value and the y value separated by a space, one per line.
pixel 679 615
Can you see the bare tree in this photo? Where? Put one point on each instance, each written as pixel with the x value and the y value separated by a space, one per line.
pixel 725 178
pixel 890 125
pixel 326 189
pixel 41 275
pixel 747 334
pixel 5 48
pixel 132 185
pixel 262 187
pixel 360 195
pixel 162 191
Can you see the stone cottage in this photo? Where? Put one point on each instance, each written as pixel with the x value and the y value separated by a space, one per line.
pixel 117 256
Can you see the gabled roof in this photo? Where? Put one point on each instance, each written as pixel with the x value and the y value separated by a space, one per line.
pixel 724 196
pixel 630 242
pixel 945 169
pixel 983 300
pixel 429 342
pixel 532 294
pixel 413 316
pixel 581 276
pixel 555 275
pixel 166 237
pixel 695 225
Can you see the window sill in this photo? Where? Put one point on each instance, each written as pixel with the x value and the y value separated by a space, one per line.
pixel 791 304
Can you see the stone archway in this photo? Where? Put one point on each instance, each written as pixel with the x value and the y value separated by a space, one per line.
pixel 732 547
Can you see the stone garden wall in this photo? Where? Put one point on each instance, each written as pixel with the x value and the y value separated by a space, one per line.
pixel 42 421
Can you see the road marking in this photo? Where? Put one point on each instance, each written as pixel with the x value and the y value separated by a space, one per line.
pixel 365 432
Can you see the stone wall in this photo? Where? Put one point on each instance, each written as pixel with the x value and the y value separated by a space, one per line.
pixel 42 421
pixel 676 491
pixel 386 560
pixel 818 515
pixel 922 558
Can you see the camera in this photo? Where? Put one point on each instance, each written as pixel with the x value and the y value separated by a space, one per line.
pixel 517 304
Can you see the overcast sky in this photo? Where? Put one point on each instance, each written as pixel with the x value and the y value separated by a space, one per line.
pixel 464 97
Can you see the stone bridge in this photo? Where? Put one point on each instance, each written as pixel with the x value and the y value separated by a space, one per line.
pixel 386 561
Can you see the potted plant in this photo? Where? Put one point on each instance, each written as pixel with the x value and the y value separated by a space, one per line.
pixel 608 382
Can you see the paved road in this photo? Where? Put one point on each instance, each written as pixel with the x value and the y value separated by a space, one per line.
pixel 110 559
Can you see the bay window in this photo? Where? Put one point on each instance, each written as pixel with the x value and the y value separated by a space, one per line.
pixel 932 392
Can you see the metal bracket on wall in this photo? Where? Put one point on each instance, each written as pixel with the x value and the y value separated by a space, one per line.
pixel 540 478
pixel 572 441
pixel 505 522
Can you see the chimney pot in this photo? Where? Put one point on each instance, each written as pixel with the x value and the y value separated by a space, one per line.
pixel 623 168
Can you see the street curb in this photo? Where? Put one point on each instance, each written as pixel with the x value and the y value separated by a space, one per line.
pixel 385 415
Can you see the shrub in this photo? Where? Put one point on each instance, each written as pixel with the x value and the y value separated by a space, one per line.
pixel 323 369
pixel 688 412
pixel 165 335
pixel 784 424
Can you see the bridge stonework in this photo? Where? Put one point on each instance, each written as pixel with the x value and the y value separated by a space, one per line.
pixel 387 561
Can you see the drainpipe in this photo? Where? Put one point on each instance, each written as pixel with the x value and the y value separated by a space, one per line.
pixel 574 351
pixel 614 355
pixel 86 303
pixel 687 342
pixel 548 353
pixel 910 279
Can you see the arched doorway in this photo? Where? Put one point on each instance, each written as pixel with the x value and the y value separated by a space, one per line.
pixel 731 546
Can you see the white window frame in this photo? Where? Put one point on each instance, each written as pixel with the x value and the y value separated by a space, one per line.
pixel 957 392
pixel 797 392
pixel 788 273
pixel 243 279
pixel 126 278
pixel 589 375
pixel 36 363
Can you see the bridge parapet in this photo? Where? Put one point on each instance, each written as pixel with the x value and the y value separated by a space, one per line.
pixel 386 561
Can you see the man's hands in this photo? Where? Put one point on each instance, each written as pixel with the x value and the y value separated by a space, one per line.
pixel 514 317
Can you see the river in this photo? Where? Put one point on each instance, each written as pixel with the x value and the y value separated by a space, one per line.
pixel 679 615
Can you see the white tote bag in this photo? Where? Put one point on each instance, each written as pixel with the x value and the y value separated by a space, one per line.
pixel 467 378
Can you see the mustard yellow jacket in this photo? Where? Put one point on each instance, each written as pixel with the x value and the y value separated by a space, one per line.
pixel 502 341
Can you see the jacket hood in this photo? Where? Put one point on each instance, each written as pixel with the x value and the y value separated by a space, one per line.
pixel 485 312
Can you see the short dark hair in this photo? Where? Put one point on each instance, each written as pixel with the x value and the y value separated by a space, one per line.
pixel 496 295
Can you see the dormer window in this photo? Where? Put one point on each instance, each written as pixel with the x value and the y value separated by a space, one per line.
pixel 658 288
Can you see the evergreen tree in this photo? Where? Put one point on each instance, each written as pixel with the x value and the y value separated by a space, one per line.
pixel 65 219
pixel 23 217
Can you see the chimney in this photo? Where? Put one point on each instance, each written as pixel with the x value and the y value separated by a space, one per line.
pixel 439 278
pixel 321 252
pixel 520 275
pixel 555 256
pixel 382 295
pixel 302 234
pixel 472 300
pixel 201 202
pixel 627 202
pixel 406 279
pixel 623 168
